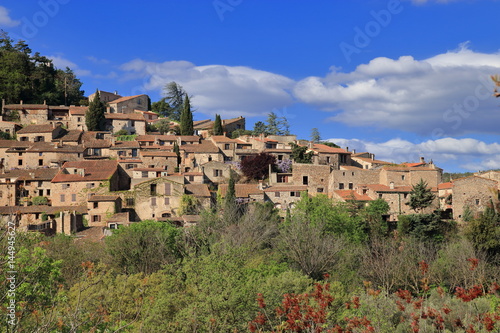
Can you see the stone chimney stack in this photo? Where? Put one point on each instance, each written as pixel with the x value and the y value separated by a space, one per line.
pixel 422 160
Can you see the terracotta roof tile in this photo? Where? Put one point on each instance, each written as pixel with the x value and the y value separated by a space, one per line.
pixel 124 99
pixel 94 170
pixel 204 147
pixel 198 190
pixel 445 186
pixel 350 195
pixel 125 116
pixel 242 190
pixel 78 110
pixel 33 129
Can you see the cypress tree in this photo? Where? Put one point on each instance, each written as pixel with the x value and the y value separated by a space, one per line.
pixel 178 153
pixel 187 118
pixel 218 126
pixel 230 199
pixel 94 117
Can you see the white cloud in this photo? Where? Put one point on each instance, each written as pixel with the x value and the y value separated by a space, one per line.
pixel 6 20
pixel 467 153
pixel 62 63
pixel 226 90
pixel 448 94
pixel 97 61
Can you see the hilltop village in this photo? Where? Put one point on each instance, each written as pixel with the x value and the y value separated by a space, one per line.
pixel 57 177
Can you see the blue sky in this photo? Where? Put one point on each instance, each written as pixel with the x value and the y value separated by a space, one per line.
pixel 401 79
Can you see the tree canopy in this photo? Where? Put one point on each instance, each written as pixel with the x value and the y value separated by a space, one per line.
pixel 33 78
pixel 174 98
pixel 94 117
pixel 187 118
pixel 218 130
pixel 421 196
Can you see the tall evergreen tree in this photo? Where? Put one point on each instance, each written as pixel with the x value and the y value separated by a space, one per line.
pixel 315 136
pixel 178 153
pixel 174 94
pixel 421 196
pixel 218 126
pixel 187 127
pixel 94 117
pixel 230 198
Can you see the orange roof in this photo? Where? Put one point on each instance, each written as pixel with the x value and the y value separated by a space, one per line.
pixel 445 186
pixel 198 190
pixel 203 147
pixel 78 110
pixel 125 116
pixel 34 129
pixel 321 148
pixel 123 99
pixel 222 138
pixel 94 170
pixel 351 195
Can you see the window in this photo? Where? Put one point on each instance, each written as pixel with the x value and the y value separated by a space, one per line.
pixel 96 205
pixel 319 190
pixel 152 189
pixel 305 180
pixel 217 173
pixel 153 201
pixel 353 173
pixel 144 174
pixel 343 158
pixel 40 154
pixel 40 183
pixel 477 201
pixel 226 146
pixel 96 218
pixel 65 186
pixel 129 201
pixel 129 166
pixel 282 179
pixel 167 189
pixel 90 185
pixel 351 186
pixel 277 194
pixel 167 201
pixel 78 119
pixel 48 192
pixel 405 195
pixel 20 162
pixel 403 177
pixel 191 178
pixel 63 198
pixel 280 157
pixel 380 195
pixel 341 186
pixel 328 158
pixel 73 197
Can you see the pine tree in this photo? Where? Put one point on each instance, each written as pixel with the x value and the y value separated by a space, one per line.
pixel 94 117
pixel 178 153
pixel 421 196
pixel 315 136
pixel 187 118
pixel 218 126
pixel 230 198
pixel 174 96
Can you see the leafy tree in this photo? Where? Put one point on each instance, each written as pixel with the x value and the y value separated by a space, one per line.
pixel 257 167
pixel 33 77
pixel 39 200
pixel 162 107
pixel 144 247
pixel 189 205
pixel 277 125
pixel 230 198
pixel 484 231
pixel 375 212
pixel 187 118
pixel 329 144
pixel 421 196
pixel 175 96
pixel 425 227
pixel 5 136
pixel 162 125
pixel 259 128
pixel 300 154
pixel 240 132
pixel 94 117
pixel 218 126
pixel 315 136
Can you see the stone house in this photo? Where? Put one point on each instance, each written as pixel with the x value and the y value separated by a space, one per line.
pixel 105 96
pixel 193 177
pixel 27 183
pixel 396 196
pixel 77 118
pixel 445 195
pixel 314 176
pixel 128 165
pixel 349 195
pixel 133 123
pixel 76 181
pixel 194 155
pixel 97 149
pixel 474 193
pixel 124 150
pixel 102 207
pixel 43 154
pixel 139 175
pixel 284 197
pixel 9 127
pixel 128 104
pixel 39 133
pixel 26 114
pixel 200 192
pixel 216 172
pixel 156 198
pixel 366 161
pixel 226 145
pixel 204 127
pixel 245 192
pixel 163 159
pixel 71 137
pixel 349 177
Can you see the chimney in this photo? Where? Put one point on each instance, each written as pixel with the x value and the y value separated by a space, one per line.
pixel 260 186
pixel 391 185
pixel 310 144
pixel 372 156
pixel 21 102
pixel 422 160
pixel 354 151
pixel 347 148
